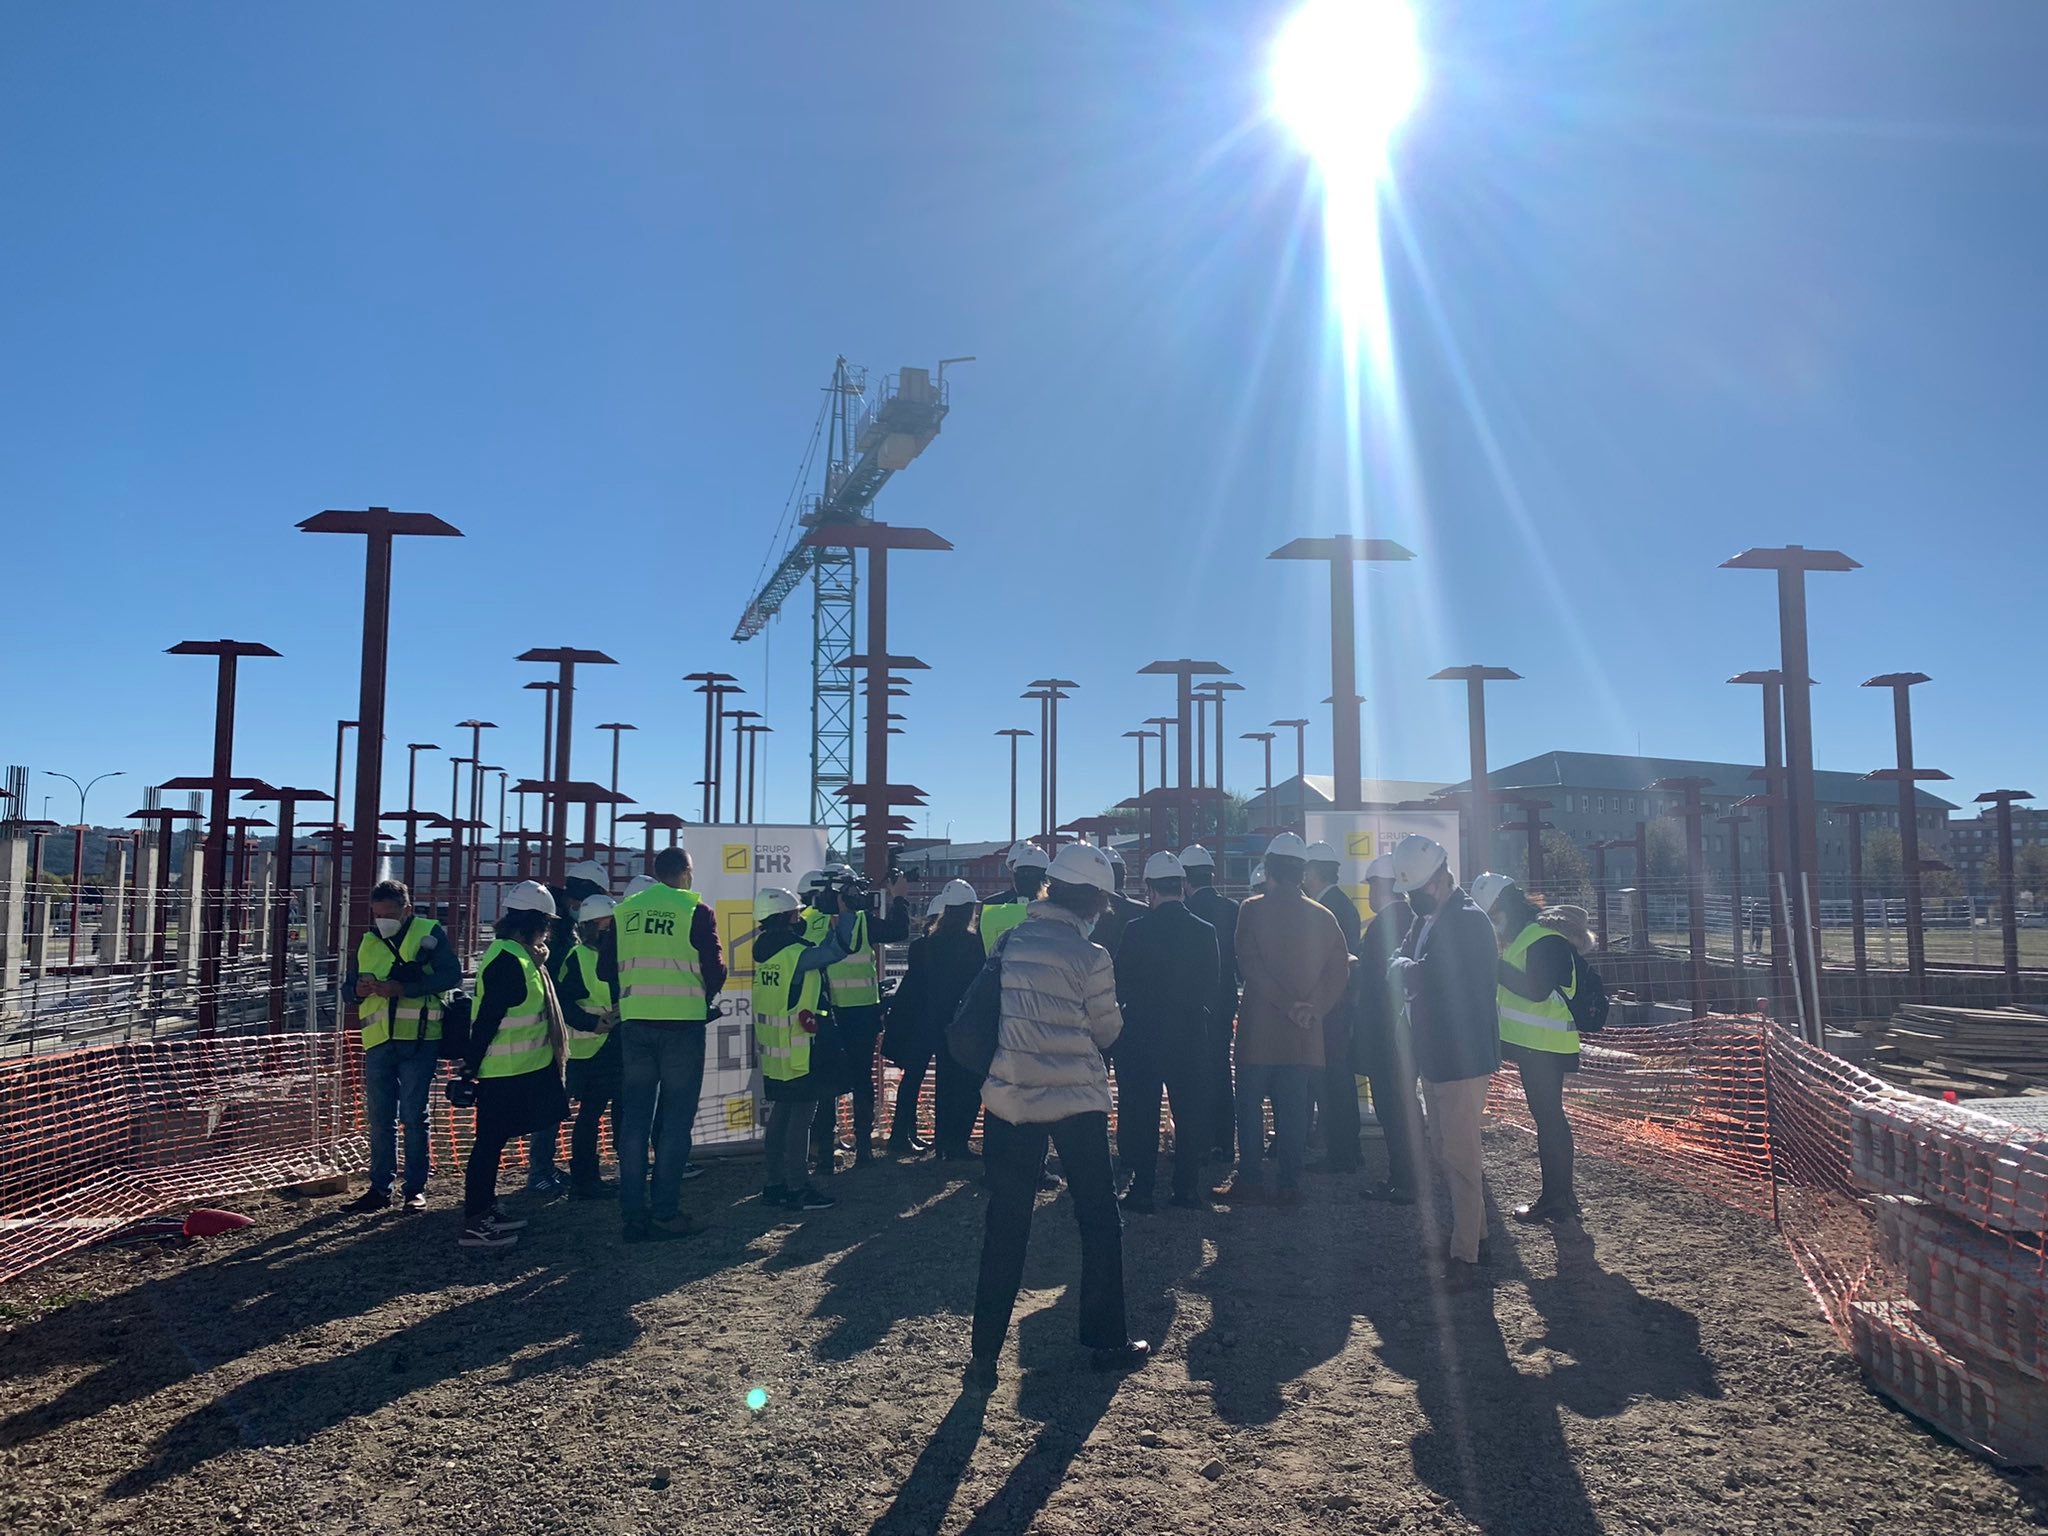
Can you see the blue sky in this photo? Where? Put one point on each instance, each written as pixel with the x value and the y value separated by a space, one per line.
pixel 1668 281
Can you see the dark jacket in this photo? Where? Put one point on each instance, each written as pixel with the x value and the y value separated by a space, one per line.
pixel 1339 1021
pixel 1453 1013
pixel 1167 978
pixel 941 968
pixel 1115 921
pixel 1376 996
pixel 1220 913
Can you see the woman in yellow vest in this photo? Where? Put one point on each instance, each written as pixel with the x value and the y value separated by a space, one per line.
pixel 592 1015
pixel 518 1048
pixel 793 1034
pixel 1538 978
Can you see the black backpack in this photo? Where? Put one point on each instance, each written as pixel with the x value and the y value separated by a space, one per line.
pixel 1589 997
pixel 454 1041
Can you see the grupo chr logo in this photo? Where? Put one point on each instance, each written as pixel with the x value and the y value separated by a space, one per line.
pixel 737 859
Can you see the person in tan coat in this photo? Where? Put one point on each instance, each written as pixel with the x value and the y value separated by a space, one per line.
pixel 1296 968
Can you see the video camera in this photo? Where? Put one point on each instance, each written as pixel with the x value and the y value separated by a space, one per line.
pixel 851 889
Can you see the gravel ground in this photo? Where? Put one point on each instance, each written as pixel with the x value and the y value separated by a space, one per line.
pixel 1666 1371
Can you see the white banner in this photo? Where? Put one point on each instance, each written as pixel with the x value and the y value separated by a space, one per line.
pixel 728 865
pixel 1361 836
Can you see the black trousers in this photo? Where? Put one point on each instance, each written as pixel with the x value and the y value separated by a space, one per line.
pixel 1014 1156
pixel 1543 1075
pixel 857 1029
pixel 594 1085
pixel 1138 1087
pixel 1220 1099
pixel 956 1101
pixel 1389 1064
pixel 1337 1097
pixel 507 1107
pixel 903 1122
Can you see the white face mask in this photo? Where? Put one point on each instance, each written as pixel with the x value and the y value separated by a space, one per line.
pixel 389 926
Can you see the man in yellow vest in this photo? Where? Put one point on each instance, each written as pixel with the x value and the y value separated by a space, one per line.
pixel 403 966
pixel 855 987
pixel 665 967
pixel 999 914
pixel 794 1034
pixel 592 1015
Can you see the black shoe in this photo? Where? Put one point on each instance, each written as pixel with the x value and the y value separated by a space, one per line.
pixel 1387 1194
pixel 980 1375
pixel 842 1145
pixel 809 1198
pixel 775 1194
pixel 919 1146
pixel 1127 1357
pixel 1140 1202
pixel 1534 1212
pixel 369 1200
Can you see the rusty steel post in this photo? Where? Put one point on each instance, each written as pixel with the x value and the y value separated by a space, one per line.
pixel 1043 698
pixel 1532 824
pixel 413 749
pixel 334 860
pixel 720 692
pixel 1802 851
pixel 1907 776
pixel 1481 818
pixel 1696 883
pixel 471 833
pixel 288 801
pixel 617 728
pixel 1014 733
pixel 1214 692
pixel 754 733
pixel 1777 884
pixel 566 659
pixel 1344 553
pixel 740 719
pixel 1162 809
pixel 2008 883
pixel 1599 851
pixel 1265 740
pixel 1735 821
pixel 707 684
pixel 1300 729
pixel 1859 937
pixel 1184 671
pixel 1056 689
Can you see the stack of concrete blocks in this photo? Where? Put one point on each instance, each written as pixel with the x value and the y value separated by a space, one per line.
pixel 15 912
pixel 1962 1217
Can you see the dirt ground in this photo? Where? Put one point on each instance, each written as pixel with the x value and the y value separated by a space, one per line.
pixel 1665 1372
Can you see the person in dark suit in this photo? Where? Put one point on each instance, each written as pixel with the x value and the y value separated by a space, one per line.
pixel 1168 969
pixel 1219 1103
pixel 1337 1085
pixel 1121 911
pixel 1384 1054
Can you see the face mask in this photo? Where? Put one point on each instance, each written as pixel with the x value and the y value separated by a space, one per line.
pixel 1421 903
pixel 389 926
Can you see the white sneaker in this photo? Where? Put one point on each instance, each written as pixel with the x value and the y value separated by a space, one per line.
pixel 481 1234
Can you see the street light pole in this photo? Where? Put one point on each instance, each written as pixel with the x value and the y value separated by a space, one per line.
pixel 78 856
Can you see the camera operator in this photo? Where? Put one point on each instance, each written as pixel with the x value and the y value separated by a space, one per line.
pixel 855 986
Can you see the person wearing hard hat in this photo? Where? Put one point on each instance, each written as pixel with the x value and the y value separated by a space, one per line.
pixel 1336 1089
pixel 581 881
pixel 518 1050
pixel 1166 980
pixel 592 1015
pixel 666 969
pixel 635 886
pixel 1446 968
pixel 1538 980
pixel 1382 1049
pixel 943 963
pixel 999 914
pixel 404 969
pixel 793 1033
pixel 1291 954
pixel 855 985
pixel 1048 1083
pixel 1218 1117
pixel 1121 911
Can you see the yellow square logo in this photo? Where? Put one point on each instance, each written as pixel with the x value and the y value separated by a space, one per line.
pixel 739 1112
pixel 736 930
pixel 1358 845
pixel 737 859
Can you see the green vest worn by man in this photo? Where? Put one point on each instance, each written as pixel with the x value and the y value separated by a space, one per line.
pixel 660 979
pixel 785 1014
pixel 597 995
pixel 521 1043
pixel 999 917
pixel 397 1018
pixel 1544 1026
pixel 856 981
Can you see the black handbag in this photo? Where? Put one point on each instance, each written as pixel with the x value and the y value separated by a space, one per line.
pixel 977 1024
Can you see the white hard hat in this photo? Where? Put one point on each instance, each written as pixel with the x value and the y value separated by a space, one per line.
pixel 1287 846
pixel 1027 856
pixel 772 901
pixel 1257 876
pixel 956 893
pixel 1381 868
pixel 1195 856
pixel 1487 889
pixel 638 884
pixel 810 882
pixel 841 872
pixel 1164 866
pixel 591 908
pixel 1114 857
pixel 1416 861
pixel 530 896
pixel 588 869
pixel 1320 852
pixel 1079 864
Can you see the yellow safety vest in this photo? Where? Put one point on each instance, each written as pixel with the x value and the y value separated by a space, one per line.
pixel 660 980
pixel 397 1018
pixel 597 995
pixel 998 918
pixel 856 980
pixel 1544 1026
pixel 521 1043
pixel 786 1015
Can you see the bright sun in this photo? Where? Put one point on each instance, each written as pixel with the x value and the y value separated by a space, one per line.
pixel 1344 73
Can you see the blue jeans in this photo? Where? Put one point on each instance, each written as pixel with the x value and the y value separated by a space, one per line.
pixel 397 1079
pixel 665 1063
pixel 1289 1089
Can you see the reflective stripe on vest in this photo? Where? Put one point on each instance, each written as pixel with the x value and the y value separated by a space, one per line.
pixel 784 1026
pixel 855 981
pixel 521 1043
pixel 660 978
pixel 1544 1026
pixel 597 994
pixel 998 918
pixel 379 1019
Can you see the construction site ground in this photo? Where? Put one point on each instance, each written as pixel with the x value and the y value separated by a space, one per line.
pixel 1666 1371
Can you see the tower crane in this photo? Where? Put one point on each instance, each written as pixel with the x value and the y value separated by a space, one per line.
pixel 867 440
